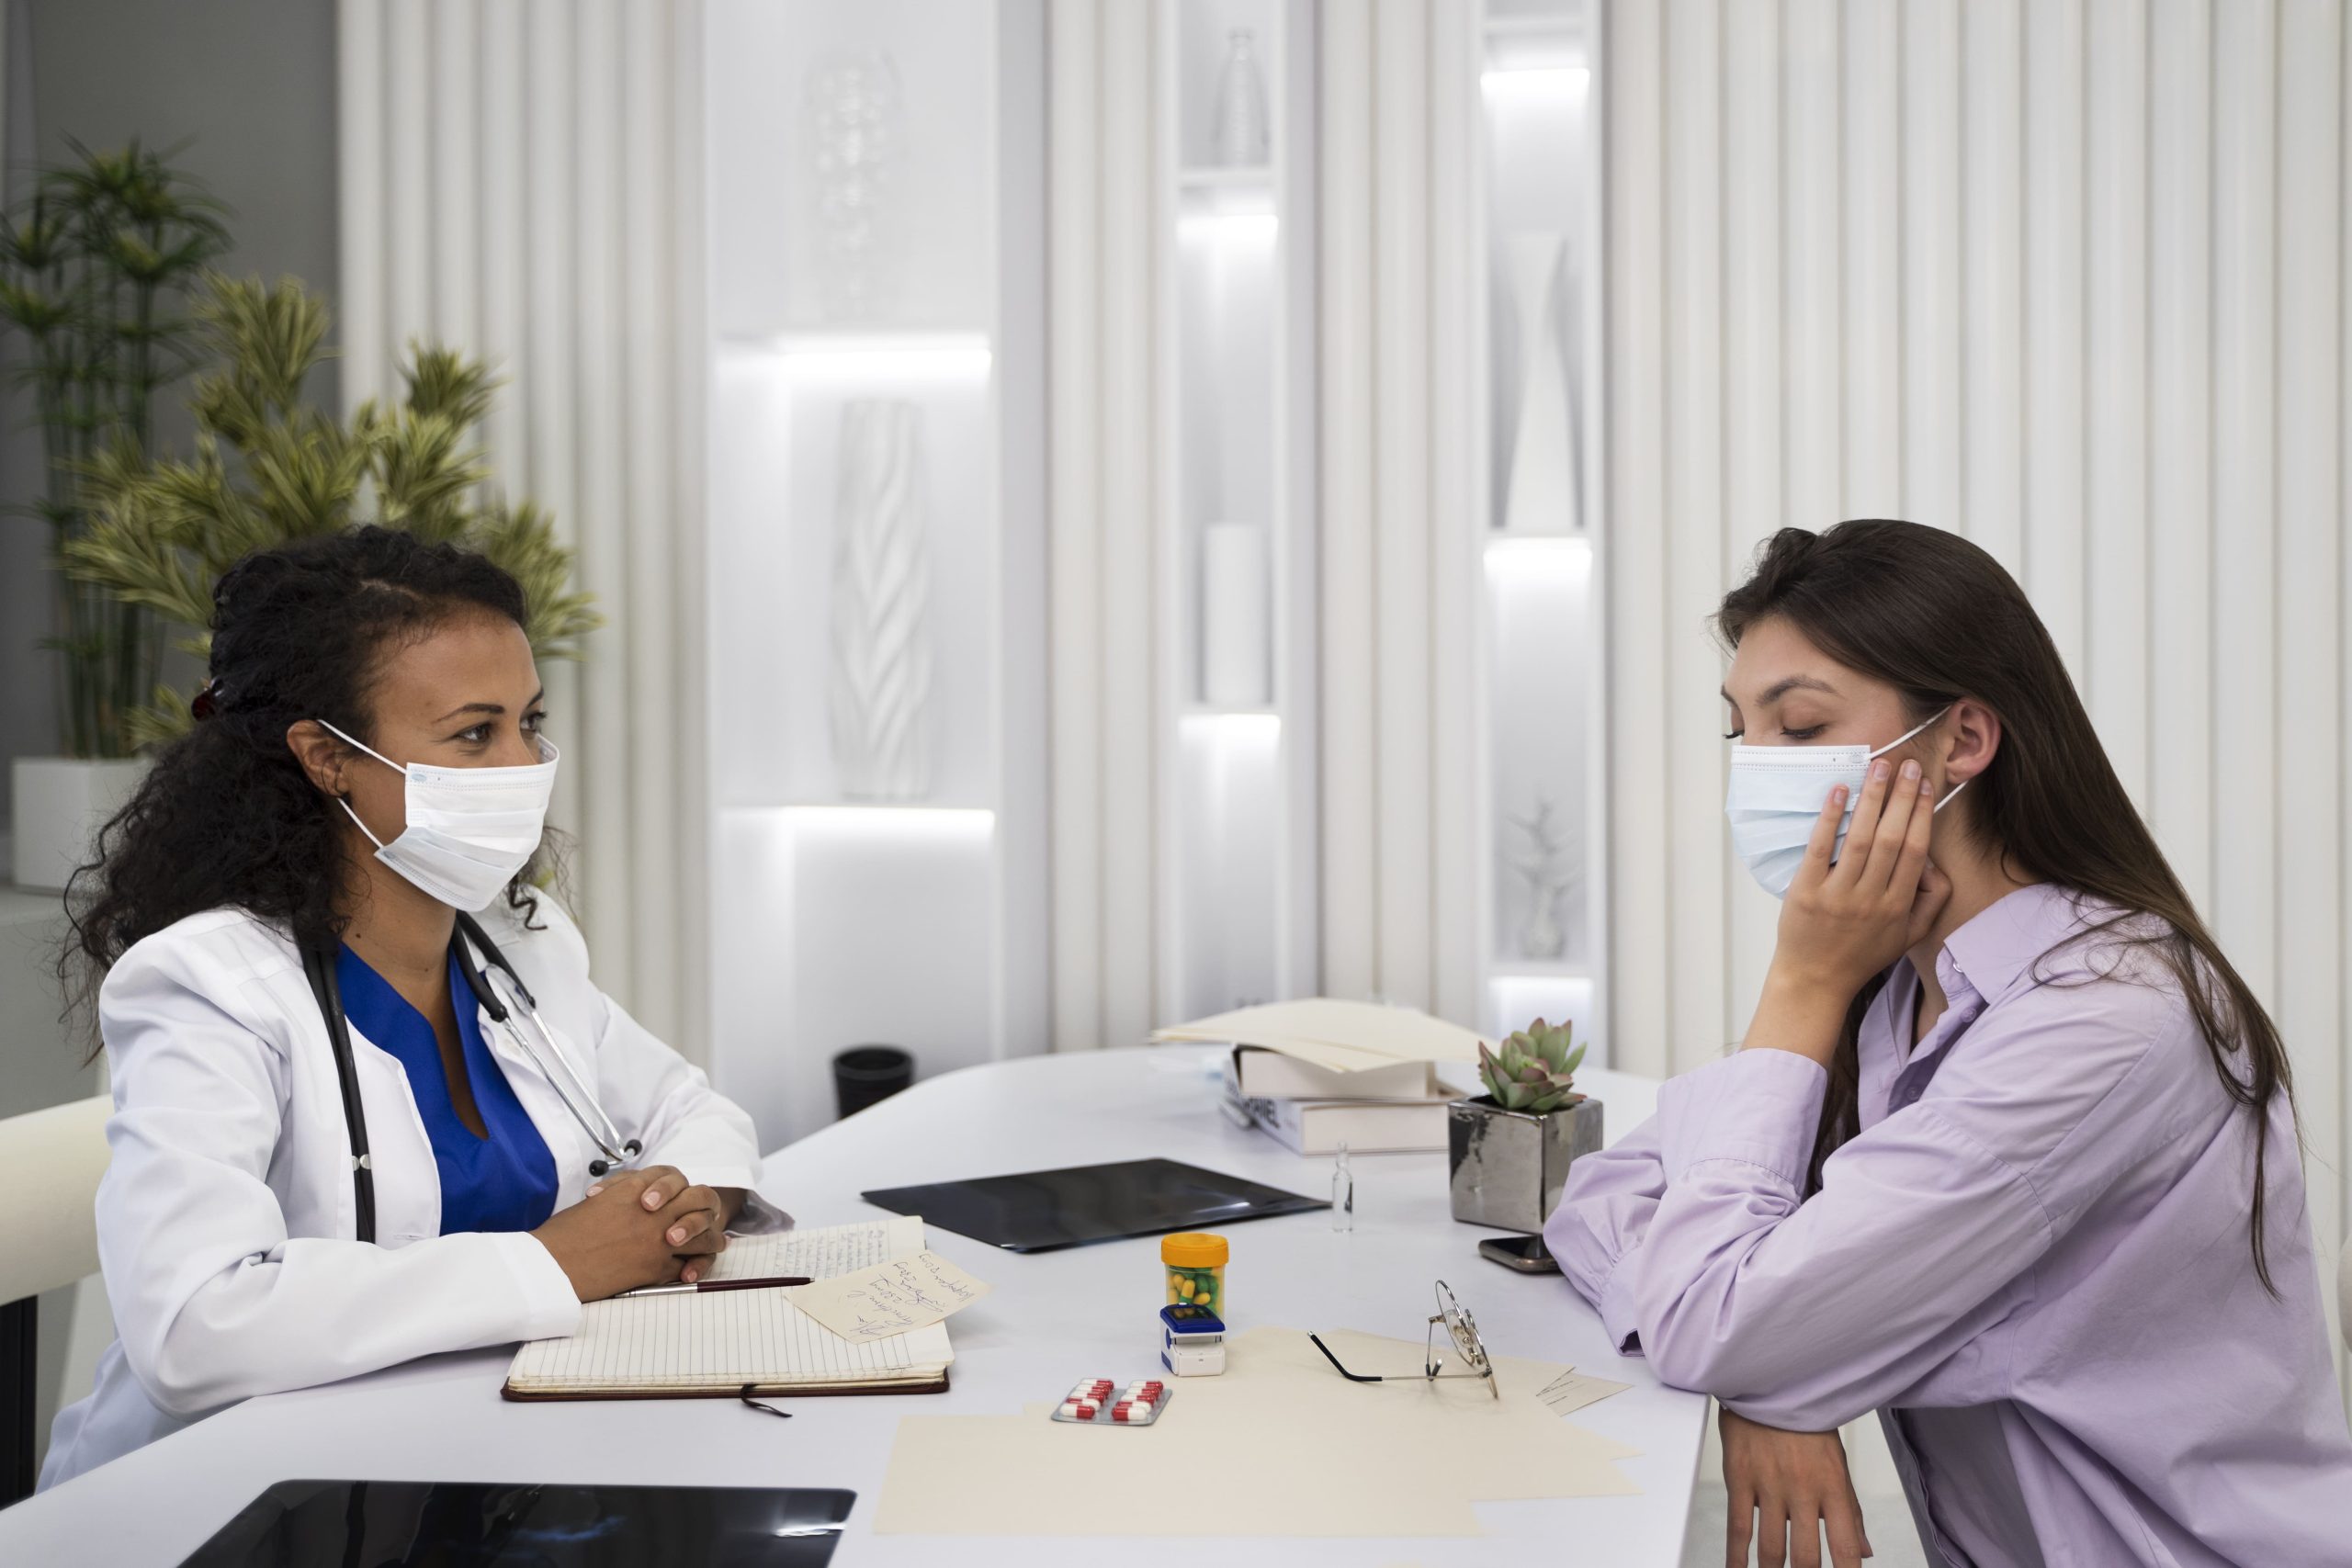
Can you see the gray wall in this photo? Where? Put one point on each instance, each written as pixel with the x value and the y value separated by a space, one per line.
pixel 249 86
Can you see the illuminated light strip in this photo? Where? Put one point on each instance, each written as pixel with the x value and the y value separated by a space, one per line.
pixel 1532 558
pixel 944 358
pixel 1518 998
pixel 1260 727
pixel 1532 80
pixel 947 821
pixel 1227 228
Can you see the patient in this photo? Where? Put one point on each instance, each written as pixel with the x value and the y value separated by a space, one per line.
pixel 2009 1154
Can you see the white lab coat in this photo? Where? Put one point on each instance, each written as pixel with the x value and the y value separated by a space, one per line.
pixel 227 1222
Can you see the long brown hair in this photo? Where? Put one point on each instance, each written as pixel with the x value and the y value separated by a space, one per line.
pixel 1938 619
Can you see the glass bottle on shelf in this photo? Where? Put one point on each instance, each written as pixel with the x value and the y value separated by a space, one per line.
pixel 1240 132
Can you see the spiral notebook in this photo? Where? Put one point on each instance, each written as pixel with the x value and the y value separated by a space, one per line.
pixel 714 1344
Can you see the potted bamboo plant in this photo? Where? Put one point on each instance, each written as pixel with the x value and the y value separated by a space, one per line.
pixel 269 468
pixel 95 264
pixel 1511 1147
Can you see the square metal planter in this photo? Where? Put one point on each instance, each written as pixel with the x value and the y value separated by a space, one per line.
pixel 1509 1166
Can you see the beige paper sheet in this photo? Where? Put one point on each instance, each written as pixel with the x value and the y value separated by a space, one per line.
pixel 895 1297
pixel 1279 1445
pixel 1572 1390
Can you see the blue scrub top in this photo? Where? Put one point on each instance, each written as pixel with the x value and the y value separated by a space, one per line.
pixel 503 1182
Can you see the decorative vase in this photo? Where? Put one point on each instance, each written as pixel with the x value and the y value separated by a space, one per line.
pixel 1508 1167
pixel 56 806
pixel 1240 129
pixel 1546 866
pixel 1542 497
pixel 879 686
pixel 855 125
pixel 1540 935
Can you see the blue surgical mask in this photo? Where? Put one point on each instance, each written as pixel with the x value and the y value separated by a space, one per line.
pixel 1775 796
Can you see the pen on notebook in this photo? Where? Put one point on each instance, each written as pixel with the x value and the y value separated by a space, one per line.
pixel 682 1287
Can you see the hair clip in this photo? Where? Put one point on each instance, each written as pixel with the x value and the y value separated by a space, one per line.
pixel 206 703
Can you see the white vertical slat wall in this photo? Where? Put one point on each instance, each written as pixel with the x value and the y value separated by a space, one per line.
pixel 522 180
pixel 2065 276
pixel 1103 496
pixel 1396 610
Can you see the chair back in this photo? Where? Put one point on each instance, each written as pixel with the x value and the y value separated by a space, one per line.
pixel 50 1164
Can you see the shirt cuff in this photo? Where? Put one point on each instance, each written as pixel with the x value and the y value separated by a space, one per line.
pixel 757 1215
pixel 550 1307
pixel 1616 1309
pixel 1760 1107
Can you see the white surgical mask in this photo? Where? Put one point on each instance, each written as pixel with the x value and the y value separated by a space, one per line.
pixel 1776 797
pixel 470 829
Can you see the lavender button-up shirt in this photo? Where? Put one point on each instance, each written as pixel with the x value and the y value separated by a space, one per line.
pixel 2033 1262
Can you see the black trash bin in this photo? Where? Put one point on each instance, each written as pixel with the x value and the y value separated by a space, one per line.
pixel 866 1075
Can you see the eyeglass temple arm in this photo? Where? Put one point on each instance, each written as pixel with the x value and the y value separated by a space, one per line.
pixel 1362 1377
pixel 1352 1377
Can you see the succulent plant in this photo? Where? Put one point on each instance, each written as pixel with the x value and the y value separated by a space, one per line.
pixel 1535 1070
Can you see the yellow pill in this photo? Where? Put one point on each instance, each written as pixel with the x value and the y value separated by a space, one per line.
pixel 1201 1299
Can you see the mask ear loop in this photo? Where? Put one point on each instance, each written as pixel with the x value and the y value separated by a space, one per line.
pixel 397 768
pixel 344 801
pixel 1924 724
pixel 1939 716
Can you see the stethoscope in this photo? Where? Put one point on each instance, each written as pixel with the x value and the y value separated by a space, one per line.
pixel 553 1065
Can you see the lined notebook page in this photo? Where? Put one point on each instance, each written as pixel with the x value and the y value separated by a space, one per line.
pixel 819 1254
pixel 718 1340
pixel 726 1338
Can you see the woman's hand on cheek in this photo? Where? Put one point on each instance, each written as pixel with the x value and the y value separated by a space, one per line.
pixel 1842 923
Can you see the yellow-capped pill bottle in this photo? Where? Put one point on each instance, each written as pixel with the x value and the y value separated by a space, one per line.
pixel 1193 1270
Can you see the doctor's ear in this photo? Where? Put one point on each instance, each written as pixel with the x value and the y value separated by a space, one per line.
pixel 322 755
pixel 1974 733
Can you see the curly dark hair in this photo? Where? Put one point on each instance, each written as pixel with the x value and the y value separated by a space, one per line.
pixel 227 817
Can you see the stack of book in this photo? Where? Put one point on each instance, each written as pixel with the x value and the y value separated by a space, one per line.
pixel 1317 1073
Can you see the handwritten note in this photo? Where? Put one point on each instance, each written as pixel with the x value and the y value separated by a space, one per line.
pixel 818 1254
pixel 896 1297
pixel 1572 1390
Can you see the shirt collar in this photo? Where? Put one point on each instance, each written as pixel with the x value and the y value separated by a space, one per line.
pixel 2003 939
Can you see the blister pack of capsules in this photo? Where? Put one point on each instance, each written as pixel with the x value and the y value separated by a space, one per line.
pixel 1098 1402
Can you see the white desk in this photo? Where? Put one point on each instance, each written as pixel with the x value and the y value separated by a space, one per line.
pixel 1052 1318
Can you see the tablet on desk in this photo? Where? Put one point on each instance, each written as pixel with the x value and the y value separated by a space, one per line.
pixel 379 1524
pixel 1038 1210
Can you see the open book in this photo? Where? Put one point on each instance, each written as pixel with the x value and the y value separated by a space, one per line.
pixel 1343 1038
pixel 715 1343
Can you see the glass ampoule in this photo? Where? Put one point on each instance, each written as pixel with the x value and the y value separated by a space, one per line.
pixel 1343 1192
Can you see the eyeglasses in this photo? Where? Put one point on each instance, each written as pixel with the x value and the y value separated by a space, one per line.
pixel 1459 1326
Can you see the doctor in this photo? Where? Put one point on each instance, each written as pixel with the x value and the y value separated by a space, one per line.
pixel 344 845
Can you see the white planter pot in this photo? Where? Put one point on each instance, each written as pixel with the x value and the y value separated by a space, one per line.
pixel 57 806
